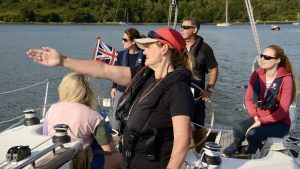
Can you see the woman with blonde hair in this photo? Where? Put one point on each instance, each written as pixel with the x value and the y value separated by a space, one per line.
pixel 156 106
pixel 77 108
pixel 269 95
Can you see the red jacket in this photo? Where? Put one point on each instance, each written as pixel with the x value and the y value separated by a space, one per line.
pixel 284 97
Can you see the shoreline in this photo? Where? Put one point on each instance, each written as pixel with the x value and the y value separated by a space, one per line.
pixel 123 23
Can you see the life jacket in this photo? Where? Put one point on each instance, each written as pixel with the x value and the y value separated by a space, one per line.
pixel 270 101
pixel 125 59
pixel 135 109
pixel 199 63
pixel 130 105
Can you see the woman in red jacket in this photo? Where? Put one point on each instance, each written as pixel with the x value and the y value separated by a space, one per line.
pixel 271 90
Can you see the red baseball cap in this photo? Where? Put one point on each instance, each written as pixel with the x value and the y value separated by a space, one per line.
pixel 164 35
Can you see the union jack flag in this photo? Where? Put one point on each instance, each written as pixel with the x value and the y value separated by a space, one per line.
pixel 105 53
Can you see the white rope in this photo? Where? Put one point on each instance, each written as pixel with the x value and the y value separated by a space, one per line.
pixel 6 121
pixel 22 88
pixel 208 132
pixel 252 23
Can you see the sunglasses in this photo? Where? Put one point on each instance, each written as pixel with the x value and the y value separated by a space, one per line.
pixel 185 27
pixel 154 35
pixel 266 57
pixel 125 40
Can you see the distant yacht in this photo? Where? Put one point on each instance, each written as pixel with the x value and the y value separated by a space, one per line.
pixel 226 13
pixel 275 28
pixel 298 20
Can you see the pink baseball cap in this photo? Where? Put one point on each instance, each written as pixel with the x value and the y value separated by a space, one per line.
pixel 164 35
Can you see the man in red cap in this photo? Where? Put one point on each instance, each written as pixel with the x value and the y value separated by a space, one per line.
pixel 205 62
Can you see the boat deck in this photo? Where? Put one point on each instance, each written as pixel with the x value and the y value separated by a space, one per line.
pixel 223 135
pixel 226 139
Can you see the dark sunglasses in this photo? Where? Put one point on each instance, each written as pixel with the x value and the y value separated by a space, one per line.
pixel 186 27
pixel 266 57
pixel 125 40
pixel 154 35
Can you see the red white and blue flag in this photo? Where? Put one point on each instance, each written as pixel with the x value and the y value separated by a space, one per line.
pixel 105 53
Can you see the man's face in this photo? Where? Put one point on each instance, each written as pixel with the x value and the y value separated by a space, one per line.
pixel 187 29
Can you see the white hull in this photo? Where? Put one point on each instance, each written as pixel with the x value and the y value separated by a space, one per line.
pixel 274 160
pixel 275 28
pixel 296 23
pixel 223 24
pixel 275 154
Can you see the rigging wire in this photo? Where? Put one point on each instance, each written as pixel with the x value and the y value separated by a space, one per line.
pixel 6 121
pixel 26 87
pixel 23 88
pixel 253 27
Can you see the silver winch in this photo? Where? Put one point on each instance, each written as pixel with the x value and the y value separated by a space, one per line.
pixel 30 117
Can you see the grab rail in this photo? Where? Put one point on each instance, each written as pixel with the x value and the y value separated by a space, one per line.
pixel 42 153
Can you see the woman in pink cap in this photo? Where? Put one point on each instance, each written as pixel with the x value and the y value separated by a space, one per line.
pixel 156 106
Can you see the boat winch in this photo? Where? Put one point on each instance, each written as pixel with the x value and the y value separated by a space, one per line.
pixel 212 155
pixel 30 117
pixel 61 134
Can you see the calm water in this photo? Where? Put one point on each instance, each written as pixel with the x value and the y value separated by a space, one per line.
pixel 234 48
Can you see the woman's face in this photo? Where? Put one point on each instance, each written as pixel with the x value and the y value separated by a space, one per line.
pixel 268 60
pixel 127 43
pixel 153 54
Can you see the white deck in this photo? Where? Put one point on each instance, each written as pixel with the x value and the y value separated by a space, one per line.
pixel 26 136
pixel 274 160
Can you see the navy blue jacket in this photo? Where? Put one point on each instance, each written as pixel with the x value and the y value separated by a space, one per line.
pixel 130 60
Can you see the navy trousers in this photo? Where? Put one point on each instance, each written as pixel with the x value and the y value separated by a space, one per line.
pixel 256 135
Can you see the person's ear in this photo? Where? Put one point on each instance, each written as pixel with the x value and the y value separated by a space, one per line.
pixel 278 61
pixel 195 30
pixel 165 49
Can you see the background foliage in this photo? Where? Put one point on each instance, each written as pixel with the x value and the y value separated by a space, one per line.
pixel 142 11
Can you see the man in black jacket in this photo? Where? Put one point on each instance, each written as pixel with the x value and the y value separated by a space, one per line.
pixel 204 62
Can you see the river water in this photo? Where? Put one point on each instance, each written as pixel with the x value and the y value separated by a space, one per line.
pixel 234 48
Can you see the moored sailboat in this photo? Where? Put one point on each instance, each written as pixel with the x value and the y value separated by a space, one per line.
pixel 226 14
pixel 298 20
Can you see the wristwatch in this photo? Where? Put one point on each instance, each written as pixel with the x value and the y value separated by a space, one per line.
pixel 210 89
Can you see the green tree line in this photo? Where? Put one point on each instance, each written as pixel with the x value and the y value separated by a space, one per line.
pixel 143 11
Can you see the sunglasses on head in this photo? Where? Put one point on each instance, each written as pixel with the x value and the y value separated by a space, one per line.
pixel 266 57
pixel 154 35
pixel 125 40
pixel 186 27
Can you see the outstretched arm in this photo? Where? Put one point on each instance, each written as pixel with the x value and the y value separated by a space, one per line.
pixel 51 57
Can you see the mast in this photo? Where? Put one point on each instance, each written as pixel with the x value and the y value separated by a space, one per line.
pixel 116 11
pixel 173 5
pixel 226 11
